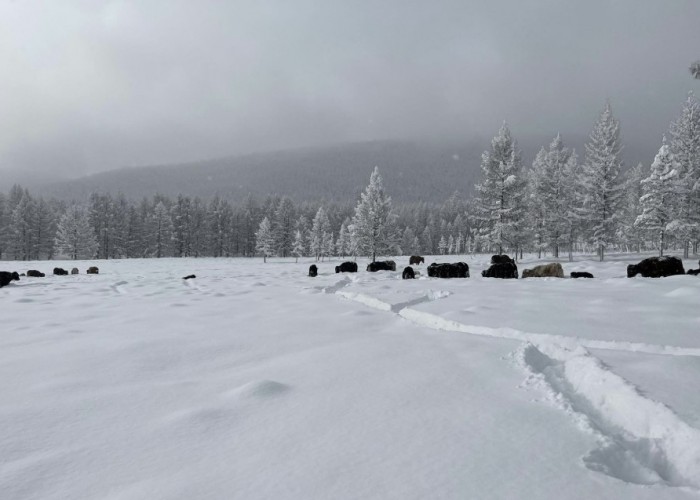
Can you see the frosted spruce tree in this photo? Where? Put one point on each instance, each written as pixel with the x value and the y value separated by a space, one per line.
pixel 685 145
pixel 320 229
pixel 264 239
pixel 657 211
pixel 601 184
pixel 283 227
pixel 373 229
pixel 299 246
pixel 160 230
pixel 550 199
pixel 500 197
pixel 342 244
pixel 630 233
pixel 75 236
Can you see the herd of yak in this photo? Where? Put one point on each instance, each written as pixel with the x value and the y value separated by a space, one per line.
pixel 7 277
pixel 501 266
pixel 504 267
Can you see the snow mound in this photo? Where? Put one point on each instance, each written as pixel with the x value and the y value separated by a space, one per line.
pixel 684 291
pixel 641 440
pixel 258 389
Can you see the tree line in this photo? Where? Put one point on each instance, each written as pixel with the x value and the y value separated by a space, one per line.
pixel 560 203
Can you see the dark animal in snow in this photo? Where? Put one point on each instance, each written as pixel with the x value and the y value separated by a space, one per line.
pixel 581 274
pixel 455 270
pixel 6 277
pixel 74 271
pixel 414 260
pixel 502 267
pixel 694 272
pixel 93 270
pixel 656 267
pixel 33 273
pixel 381 265
pixel 57 271
pixel 313 270
pixel 189 277
pixel 346 267
pixel 408 273
pixel 553 270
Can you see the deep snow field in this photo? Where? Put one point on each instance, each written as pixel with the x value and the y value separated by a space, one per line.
pixel 254 381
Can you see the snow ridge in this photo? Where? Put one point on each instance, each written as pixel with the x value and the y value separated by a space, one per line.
pixel 439 323
pixel 642 441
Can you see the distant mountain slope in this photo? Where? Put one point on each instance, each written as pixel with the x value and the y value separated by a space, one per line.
pixel 412 172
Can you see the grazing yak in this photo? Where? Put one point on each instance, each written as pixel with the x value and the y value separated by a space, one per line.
pixel 313 270
pixel 656 267
pixel 502 266
pixel 414 260
pixel 93 270
pixel 33 273
pixel 6 277
pixel 189 277
pixel 74 271
pixel 346 267
pixel 456 270
pixel 553 270
pixel 694 272
pixel 581 274
pixel 408 273
pixel 57 271
pixel 381 265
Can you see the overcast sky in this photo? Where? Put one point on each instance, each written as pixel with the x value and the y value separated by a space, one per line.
pixel 91 85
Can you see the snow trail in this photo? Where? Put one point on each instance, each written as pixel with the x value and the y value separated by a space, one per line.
pixel 642 441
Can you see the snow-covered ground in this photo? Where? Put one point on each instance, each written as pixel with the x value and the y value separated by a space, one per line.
pixel 256 381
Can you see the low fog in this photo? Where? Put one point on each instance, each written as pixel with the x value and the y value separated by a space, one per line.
pixel 87 86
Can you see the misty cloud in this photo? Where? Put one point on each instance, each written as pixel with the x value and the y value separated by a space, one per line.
pixel 87 85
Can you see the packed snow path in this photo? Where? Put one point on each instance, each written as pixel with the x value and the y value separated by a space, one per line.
pixel 255 381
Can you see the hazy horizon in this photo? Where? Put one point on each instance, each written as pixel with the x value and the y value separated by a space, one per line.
pixel 92 86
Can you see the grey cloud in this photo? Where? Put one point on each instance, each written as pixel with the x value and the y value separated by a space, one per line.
pixel 87 85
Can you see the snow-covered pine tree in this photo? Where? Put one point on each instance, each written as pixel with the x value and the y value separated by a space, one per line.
pixel 342 244
pixel 658 188
pixel 374 231
pixel 442 246
pixel 181 215
pixel 299 248
pixel 283 227
pixel 631 233
pixel 500 197
pixel 44 225
pixel 328 243
pixel 161 230
pixel 264 239
pixel 321 226
pixel 21 228
pixel 537 211
pixel 601 182
pixel 685 145
pixel 75 236
pixel 451 245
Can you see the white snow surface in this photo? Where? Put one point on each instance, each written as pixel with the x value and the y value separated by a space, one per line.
pixel 254 381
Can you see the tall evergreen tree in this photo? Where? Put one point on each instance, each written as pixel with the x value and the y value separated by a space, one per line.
pixel 500 197
pixel 373 226
pixel 657 212
pixel 320 228
pixel 264 239
pixel 283 227
pixel 75 235
pixel 685 146
pixel 601 182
